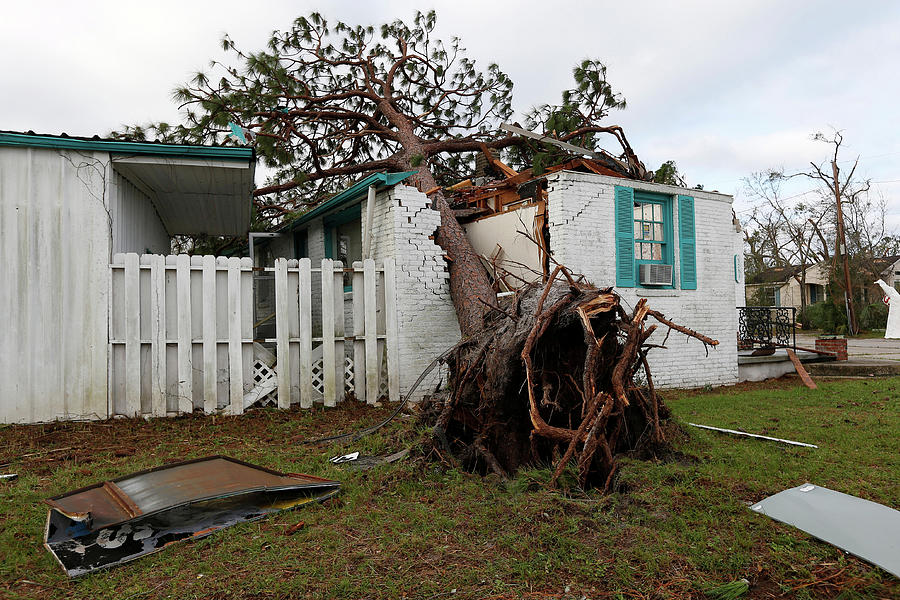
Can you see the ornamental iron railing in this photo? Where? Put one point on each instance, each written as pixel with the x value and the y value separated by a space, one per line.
pixel 766 327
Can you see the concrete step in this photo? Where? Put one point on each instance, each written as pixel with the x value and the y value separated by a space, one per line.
pixel 855 368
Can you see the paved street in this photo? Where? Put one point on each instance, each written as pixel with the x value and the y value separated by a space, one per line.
pixel 866 349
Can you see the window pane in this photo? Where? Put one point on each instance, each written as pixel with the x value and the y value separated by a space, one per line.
pixel 657 251
pixel 637 211
pixel 646 251
pixel 647 233
pixel 637 230
pixel 657 212
pixel 648 212
pixel 637 251
pixel 658 232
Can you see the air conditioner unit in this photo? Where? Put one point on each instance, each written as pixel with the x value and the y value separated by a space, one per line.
pixel 655 274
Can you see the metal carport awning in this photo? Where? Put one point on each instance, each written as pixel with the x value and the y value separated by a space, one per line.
pixel 194 195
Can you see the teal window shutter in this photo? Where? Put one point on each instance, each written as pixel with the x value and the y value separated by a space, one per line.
pixel 687 243
pixel 624 199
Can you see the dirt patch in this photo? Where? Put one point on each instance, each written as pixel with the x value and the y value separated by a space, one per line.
pixel 42 449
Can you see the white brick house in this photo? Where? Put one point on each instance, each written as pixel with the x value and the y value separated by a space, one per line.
pixel 707 282
pixel 598 227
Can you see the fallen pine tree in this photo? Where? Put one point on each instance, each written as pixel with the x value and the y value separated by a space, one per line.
pixel 559 376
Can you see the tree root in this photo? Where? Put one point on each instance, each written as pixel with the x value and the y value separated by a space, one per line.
pixel 551 380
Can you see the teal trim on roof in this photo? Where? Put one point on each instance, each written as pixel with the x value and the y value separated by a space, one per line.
pixel 354 192
pixel 117 147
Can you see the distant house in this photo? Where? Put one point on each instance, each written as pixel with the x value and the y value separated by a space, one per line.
pixel 780 286
pixel 67 206
pixel 890 273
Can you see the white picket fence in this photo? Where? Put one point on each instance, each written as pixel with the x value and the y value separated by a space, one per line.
pixel 181 335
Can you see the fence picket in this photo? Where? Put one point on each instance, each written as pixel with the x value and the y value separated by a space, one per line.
pixel 132 336
pixel 392 330
pixel 210 399
pixel 158 391
pixel 216 303
pixel 235 355
pixel 304 286
pixel 328 331
pixel 339 352
pixel 282 331
pixel 359 331
pixel 183 306
pixel 373 372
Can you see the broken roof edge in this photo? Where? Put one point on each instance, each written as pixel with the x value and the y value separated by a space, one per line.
pixel 359 189
pixel 647 186
pixel 30 140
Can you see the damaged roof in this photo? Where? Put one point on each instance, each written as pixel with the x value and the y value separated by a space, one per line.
pixel 471 201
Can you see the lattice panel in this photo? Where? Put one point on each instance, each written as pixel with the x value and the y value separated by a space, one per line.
pixel 383 388
pixel 348 375
pixel 265 384
pixel 318 380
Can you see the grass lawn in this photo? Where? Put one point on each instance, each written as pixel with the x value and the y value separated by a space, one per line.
pixel 672 529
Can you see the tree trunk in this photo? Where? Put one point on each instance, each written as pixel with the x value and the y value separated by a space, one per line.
pixel 470 288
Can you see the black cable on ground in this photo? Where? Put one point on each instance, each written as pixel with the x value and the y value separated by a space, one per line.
pixel 369 430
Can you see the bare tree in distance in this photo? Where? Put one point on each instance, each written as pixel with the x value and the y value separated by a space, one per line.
pixel 804 232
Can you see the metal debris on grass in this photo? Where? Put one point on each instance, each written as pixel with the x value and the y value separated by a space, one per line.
pixel 342 458
pixel 863 528
pixel 753 435
pixel 364 463
pixel 9 476
pixel 113 522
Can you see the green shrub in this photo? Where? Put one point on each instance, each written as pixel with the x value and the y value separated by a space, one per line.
pixel 825 316
pixel 874 316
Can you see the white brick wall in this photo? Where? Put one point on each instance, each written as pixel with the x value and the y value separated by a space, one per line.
pixel 582 237
pixel 404 220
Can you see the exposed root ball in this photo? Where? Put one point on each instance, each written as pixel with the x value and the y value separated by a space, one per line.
pixel 551 380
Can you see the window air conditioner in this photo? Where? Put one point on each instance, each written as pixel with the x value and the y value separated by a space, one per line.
pixel 655 274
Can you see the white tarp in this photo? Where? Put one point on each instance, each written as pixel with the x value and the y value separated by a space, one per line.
pixel 866 529
pixel 892 330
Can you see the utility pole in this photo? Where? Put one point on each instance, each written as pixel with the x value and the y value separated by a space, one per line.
pixel 841 250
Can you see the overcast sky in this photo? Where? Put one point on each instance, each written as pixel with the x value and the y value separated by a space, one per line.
pixel 723 88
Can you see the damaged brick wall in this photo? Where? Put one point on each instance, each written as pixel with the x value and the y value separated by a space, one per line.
pixel 404 221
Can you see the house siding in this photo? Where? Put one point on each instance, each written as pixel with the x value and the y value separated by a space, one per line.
pixel 54 255
pixel 582 237
pixel 137 226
